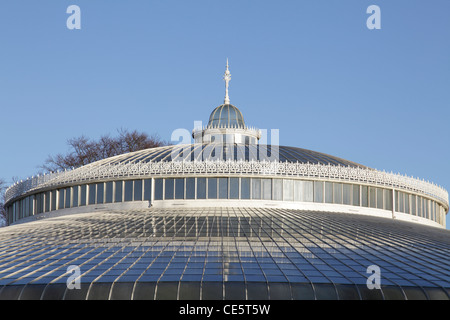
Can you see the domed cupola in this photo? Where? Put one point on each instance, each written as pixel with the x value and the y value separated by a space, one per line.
pixel 226 123
pixel 226 115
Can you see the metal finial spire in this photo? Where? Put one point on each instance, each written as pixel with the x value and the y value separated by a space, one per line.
pixel 227 78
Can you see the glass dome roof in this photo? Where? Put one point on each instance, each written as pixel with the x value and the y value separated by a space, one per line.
pixel 226 115
pixel 214 151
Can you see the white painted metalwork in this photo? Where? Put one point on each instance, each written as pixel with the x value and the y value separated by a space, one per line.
pixel 107 171
pixel 227 78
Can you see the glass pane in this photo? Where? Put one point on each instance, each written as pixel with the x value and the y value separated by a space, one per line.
pixel 413 205
pixel 245 188
pixel 169 189
pixel 179 188
pixel 387 199
pixel 158 189
pixel 266 185
pixel 308 191
pixel 54 195
pixel 83 190
pixel 407 201
pixel 100 192
pixel 39 207
pixel 92 188
pixel 212 188
pixel 403 199
pixel 256 188
pixel 47 201
pixel 347 193
pixel 119 191
pixel 61 193
pixel 379 198
pixel 337 190
pixel 223 188
pixel 288 190
pixel 318 191
pixel 364 196
pixel 298 190
pixel 234 188
pixel 355 199
pixel 328 192
pixel 128 192
pixel 109 192
pixel 68 198
pixel 190 188
pixel 201 188
pixel 277 189
pixel 75 196
pixel 147 189
pixel 372 197
pixel 419 206
pixel 137 190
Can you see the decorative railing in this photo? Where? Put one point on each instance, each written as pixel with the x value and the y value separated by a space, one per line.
pixel 229 167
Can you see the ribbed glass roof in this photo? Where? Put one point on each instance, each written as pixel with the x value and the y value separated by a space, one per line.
pixel 201 152
pixel 226 115
pixel 222 253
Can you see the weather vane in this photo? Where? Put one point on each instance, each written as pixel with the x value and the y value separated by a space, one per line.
pixel 227 78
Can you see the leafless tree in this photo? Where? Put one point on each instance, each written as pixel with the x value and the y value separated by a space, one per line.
pixel 2 200
pixel 84 150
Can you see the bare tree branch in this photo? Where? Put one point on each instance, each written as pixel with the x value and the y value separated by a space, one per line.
pixel 84 150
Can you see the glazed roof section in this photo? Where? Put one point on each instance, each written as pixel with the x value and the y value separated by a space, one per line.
pixel 222 253
pixel 236 152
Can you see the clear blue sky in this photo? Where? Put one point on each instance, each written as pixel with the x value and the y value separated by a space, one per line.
pixel 309 68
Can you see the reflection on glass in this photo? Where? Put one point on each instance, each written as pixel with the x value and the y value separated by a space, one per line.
pixel 158 189
pixel 328 192
pixel 179 188
pixel 346 193
pixel 75 196
pixel 256 188
pixel 190 188
pixel 109 192
pixel 266 185
pixel 308 191
pixel 147 189
pixel 128 192
pixel 337 193
pixel 212 188
pixel 387 199
pixel 100 192
pixel 355 199
pixel 277 189
pixel 68 198
pixel 288 190
pixel 61 198
pixel 245 188
pixel 419 206
pixel 119 191
pixel 47 201
pixel 83 190
pixel 318 191
pixel 137 190
pixel 223 188
pixel 364 196
pixel 234 188
pixel 169 189
pixel 406 197
pixel 201 188
pixel 379 198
